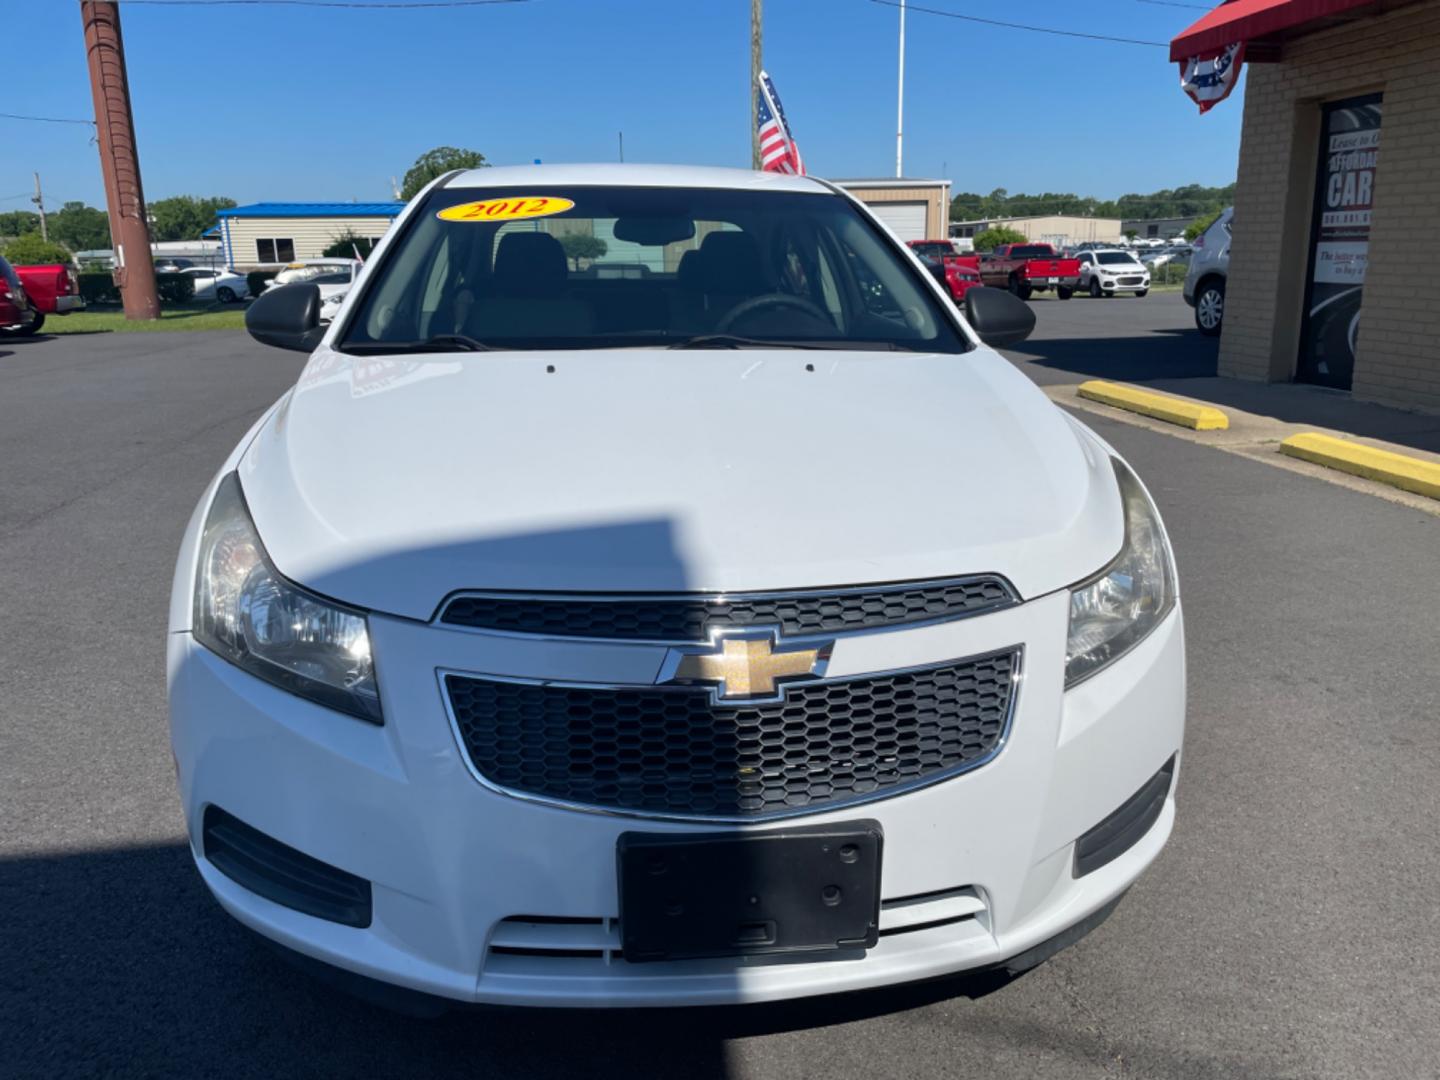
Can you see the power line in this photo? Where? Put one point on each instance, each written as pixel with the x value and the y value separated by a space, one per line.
pixel 379 6
pixel 1172 3
pixel 45 119
pixel 1022 26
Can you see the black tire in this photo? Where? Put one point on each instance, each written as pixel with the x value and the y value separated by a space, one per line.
pixel 225 294
pixel 1140 292
pixel 1063 293
pixel 24 331
pixel 1020 287
pixel 1210 307
pixel 1095 292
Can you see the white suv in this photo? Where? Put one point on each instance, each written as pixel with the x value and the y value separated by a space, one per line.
pixel 743 629
pixel 1205 280
pixel 1106 271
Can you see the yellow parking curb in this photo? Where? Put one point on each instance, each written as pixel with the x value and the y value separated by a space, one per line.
pixel 1160 406
pixel 1397 470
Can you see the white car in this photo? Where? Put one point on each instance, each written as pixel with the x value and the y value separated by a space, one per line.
pixel 217 284
pixel 1110 270
pixel 727 633
pixel 333 276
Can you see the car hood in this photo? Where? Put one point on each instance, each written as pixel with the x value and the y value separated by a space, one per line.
pixel 390 482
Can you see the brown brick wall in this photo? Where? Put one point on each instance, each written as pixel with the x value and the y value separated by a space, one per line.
pixel 1398 359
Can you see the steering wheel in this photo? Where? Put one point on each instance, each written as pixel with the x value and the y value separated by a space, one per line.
pixel 766 300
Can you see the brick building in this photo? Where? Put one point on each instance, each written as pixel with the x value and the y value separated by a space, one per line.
pixel 1337 205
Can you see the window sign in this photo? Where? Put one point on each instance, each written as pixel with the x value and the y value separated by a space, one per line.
pixel 1339 241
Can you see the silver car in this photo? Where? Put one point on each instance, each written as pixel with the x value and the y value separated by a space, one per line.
pixel 1205 281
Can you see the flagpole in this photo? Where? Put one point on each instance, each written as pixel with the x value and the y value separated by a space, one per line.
pixel 900 103
pixel 755 20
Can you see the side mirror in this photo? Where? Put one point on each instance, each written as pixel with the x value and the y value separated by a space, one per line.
pixel 287 317
pixel 998 316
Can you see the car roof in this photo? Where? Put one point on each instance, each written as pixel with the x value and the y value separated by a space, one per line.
pixel 616 175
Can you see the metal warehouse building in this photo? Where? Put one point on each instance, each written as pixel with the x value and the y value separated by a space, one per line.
pixel 1337 203
pixel 1062 230
pixel 914 209
pixel 266 236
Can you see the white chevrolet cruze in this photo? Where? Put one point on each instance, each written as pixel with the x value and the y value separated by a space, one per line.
pixel 654 592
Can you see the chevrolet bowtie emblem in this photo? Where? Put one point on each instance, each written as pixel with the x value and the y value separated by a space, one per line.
pixel 746 665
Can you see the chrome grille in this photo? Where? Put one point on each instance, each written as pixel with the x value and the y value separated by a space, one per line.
pixel 672 752
pixel 691 617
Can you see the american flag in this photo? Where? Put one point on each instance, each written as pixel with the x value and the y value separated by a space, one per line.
pixel 778 152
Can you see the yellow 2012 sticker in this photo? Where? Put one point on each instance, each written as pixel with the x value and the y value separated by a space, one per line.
pixel 511 209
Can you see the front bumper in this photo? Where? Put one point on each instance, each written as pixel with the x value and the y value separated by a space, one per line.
pixel 453 864
pixel 1114 284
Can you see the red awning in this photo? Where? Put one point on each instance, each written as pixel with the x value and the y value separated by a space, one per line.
pixel 1255 20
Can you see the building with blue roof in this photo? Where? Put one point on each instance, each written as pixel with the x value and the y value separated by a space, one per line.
pixel 268 235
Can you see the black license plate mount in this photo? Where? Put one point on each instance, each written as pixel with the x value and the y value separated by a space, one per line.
pixel 695 895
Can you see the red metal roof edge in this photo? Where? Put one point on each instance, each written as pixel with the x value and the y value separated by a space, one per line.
pixel 1248 20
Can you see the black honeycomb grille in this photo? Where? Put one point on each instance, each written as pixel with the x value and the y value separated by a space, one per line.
pixel 674 752
pixel 691 618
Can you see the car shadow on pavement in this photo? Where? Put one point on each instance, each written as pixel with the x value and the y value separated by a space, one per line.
pixel 118 963
pixel 1159 354
pixel 1184 362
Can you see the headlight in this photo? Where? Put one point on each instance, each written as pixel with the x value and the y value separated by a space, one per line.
pixel 1113 611
pixel 250 615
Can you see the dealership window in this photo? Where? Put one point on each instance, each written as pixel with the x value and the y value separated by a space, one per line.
pixel 274 251
pixel 1345 172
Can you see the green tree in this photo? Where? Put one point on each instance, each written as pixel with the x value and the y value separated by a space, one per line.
pixel 30 250
pixel 582 246
pixel 184 217
pixel 80 227
pixel 435 163
pixel 19 222
pixel 347 244
pixel 1199 225
pixel 992 238
pixel 1130 234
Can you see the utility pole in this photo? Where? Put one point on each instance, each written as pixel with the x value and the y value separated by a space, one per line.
pixel 755 18
pixel 622 146
pixel 900 103
pixel 119 159
pixel 39 201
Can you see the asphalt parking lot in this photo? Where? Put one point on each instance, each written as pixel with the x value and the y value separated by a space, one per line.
pixel 1289 930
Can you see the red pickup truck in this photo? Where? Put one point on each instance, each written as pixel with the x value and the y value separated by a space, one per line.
pixel 17 313
pixel 1027 268
pixel 957 272
pixel 52 290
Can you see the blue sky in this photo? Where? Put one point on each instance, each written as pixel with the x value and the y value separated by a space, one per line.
pixel 287 103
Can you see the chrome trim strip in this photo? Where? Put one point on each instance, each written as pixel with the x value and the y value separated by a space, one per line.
pixel 1017 679
pixel 710 596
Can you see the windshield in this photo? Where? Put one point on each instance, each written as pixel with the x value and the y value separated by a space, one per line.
pixel 938 249
pixel 1116 258
pixel 605 267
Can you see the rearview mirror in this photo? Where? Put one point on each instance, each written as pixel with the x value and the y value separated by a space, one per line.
pixel 654 231
pixel 287 317
pixel 998 316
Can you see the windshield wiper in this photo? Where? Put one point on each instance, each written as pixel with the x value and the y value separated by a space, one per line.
pixel 735 341
pixel 438 343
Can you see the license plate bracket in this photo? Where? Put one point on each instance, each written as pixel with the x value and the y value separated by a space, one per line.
pixel 810 889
